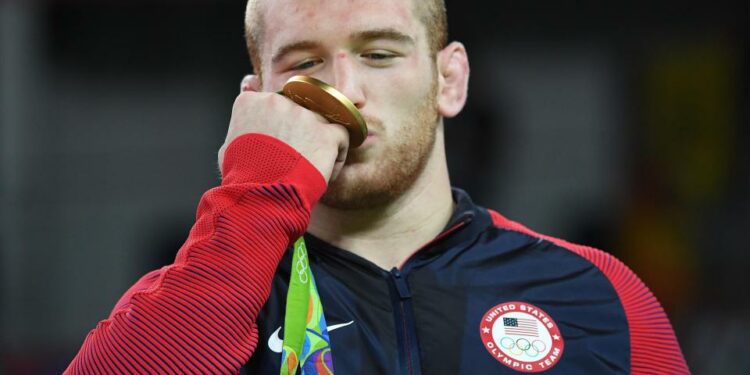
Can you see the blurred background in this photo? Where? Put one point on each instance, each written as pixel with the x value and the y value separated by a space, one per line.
pixel 619 124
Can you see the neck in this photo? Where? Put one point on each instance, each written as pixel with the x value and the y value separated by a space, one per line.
pixel 388 235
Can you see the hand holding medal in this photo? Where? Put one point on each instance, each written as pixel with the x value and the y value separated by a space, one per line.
pixel 304 311
pixel 325 100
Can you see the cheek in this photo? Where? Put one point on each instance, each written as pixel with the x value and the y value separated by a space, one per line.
pixel 401 91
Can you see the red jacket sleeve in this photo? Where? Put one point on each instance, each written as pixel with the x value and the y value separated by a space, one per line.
pixel 199 313
pixel 653 345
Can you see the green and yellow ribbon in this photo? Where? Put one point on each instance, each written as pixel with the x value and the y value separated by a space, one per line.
pixel 306 341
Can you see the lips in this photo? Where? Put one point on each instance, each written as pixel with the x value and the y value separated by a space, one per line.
pixel 371 136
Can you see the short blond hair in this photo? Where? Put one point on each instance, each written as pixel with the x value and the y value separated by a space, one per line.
pixel 432 14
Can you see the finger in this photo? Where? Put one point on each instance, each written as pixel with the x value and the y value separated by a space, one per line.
pixel 342 136
pixel 250 82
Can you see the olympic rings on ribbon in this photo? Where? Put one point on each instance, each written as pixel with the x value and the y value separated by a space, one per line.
pixel 301 266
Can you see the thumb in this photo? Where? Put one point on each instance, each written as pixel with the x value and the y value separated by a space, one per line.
pixel 250 82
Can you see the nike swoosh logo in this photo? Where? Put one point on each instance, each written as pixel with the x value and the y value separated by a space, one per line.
pixel 275 343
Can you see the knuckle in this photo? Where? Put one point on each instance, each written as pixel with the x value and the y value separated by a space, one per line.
pixel 342 131
pixel 240 101
pixel 273 100
pixel 338 133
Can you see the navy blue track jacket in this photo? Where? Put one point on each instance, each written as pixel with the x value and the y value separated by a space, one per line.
pixel 480 299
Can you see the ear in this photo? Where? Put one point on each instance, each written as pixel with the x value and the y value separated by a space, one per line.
pixel 453 79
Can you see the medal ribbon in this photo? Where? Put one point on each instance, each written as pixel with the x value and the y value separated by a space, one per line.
pixel 306 340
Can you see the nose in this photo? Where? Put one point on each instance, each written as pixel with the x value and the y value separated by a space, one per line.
pixel 346 79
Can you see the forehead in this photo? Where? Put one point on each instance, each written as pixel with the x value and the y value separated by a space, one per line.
pixel 287 21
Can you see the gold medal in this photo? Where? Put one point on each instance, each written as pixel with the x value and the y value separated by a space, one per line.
pixel 325 100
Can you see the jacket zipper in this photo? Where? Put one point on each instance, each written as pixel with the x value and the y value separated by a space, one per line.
pixel 406 336
pixel 403 312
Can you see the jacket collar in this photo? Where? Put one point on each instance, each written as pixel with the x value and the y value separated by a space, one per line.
pixel 466 223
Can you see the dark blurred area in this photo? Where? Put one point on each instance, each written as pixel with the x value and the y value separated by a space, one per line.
pixel 620 125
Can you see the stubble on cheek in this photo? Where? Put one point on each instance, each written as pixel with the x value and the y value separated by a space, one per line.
pixel 371 183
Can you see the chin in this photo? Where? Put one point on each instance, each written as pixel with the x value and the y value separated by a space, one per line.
pixel 362 155
pixel 359 185
pixel 372 184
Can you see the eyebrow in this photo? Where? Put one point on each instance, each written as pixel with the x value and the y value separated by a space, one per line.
pixel 377 34
pixel 292 47
pixel 361 37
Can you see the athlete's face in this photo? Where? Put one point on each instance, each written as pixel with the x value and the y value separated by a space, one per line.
pixel 375 52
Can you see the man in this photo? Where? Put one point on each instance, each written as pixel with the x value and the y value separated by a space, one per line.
pixel 414 278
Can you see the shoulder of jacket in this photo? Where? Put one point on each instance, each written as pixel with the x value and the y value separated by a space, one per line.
pixel 652 340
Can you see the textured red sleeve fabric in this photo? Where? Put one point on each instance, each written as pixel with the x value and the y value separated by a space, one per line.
pixel 653 346
pixel 198 314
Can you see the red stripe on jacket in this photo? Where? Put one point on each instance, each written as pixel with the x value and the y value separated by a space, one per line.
pixel 653 346
pixel 198 314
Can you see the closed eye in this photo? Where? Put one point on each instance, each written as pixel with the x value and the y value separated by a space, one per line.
pixel 307 64
pixel 378 56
